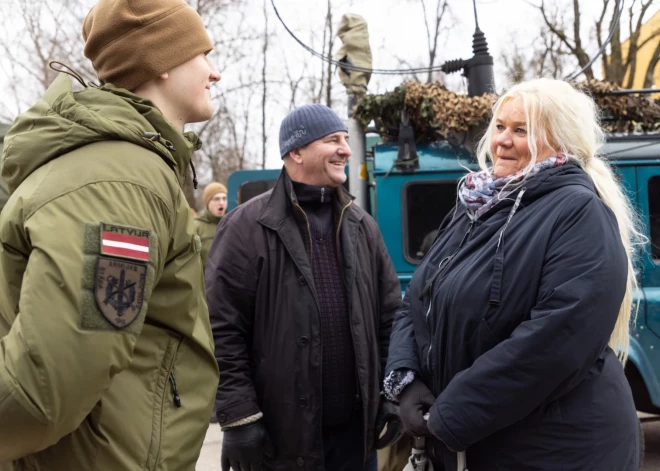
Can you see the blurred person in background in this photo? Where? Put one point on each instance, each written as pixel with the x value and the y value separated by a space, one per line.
pixel 206 222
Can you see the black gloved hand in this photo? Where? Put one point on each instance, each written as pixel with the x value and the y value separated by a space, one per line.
pixel 243 447
pixel 414 401
pixel 388 415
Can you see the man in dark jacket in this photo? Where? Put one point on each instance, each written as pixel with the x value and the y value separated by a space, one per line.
pixel 302 294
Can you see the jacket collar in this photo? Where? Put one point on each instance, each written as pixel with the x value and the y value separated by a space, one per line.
pixel 280 215
pixel 283 201
pixel 206 216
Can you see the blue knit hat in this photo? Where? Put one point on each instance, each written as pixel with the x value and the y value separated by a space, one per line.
pixel 307 124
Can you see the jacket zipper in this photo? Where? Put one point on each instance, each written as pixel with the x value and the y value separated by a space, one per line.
pixel 309 231
pixel 428 352
pixel 341 218
pixel 176 398
pixel 175 391
pixel 444 263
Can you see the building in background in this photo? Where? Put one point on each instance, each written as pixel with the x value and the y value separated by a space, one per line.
pixel 647 54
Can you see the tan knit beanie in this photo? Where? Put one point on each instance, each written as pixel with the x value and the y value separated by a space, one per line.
pixel 211 190
pixel 133 41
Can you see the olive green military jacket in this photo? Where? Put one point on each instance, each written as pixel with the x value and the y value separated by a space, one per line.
pixel 106 355
pixel 205 225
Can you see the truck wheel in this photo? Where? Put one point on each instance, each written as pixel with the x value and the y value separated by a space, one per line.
pixel 642 443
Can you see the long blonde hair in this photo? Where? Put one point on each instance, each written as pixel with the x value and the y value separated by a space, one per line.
pixel 567 120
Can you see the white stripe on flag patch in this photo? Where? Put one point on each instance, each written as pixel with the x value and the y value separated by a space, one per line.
pixel 125 245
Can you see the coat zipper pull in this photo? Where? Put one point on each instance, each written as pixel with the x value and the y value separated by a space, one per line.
pixel 175 391
pixel 322 194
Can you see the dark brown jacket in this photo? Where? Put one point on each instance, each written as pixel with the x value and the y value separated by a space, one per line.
pixel 265 319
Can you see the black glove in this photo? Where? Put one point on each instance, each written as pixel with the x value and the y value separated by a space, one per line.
pixel 388 415
pixel 243 447
pixel 414 401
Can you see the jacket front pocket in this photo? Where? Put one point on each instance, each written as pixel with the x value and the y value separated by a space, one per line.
pixel 166 396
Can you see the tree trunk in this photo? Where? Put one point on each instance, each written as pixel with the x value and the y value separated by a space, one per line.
pixel 649 80
pixel 616 70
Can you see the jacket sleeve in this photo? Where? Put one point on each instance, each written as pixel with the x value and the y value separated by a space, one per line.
pixel 230 293
pixel 60 354
pixel 403 347
pixel 582 285
pixel 390 298
pixel 403 351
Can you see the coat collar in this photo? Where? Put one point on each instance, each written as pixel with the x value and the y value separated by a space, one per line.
pixel 207 217
pixel 282 203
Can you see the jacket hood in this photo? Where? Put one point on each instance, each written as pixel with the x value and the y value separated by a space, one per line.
pixel 64 120
pixel 553 178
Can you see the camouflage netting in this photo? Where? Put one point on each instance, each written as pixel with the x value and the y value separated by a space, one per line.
pixel 436 113
pixel 624 113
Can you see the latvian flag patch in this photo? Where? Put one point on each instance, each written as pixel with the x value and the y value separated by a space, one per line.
pixel 124 242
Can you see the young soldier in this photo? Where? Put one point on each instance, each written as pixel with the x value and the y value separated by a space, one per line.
pixel 215 206
pixel 107 358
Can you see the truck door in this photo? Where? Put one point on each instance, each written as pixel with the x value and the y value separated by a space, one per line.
pixel 648 200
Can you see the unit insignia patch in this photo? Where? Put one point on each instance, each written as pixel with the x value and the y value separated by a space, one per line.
pixel 119 289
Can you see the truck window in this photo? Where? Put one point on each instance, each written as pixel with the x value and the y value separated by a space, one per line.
pixel 425 205
pixel 654 216
pixel 249 190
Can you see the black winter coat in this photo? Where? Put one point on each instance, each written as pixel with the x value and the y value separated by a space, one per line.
pixel 265 319
pixel 513 341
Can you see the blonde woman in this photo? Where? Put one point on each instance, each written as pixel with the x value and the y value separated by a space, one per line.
pixel 515 325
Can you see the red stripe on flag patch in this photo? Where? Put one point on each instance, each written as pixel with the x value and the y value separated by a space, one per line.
pixel 125 238
pixel 121 245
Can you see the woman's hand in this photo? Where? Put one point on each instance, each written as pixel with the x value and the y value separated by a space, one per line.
pixel 415 401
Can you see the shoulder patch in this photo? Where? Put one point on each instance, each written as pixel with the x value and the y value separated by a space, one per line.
pixel 119 290
pixel 117 278
pixel 124 242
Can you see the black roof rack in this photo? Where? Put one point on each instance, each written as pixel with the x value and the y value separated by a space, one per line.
pixel 632 91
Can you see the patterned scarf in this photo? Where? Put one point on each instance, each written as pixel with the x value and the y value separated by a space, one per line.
pixel 479 191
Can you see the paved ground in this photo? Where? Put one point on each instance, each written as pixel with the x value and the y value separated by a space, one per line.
pixel 651 424
pixel 209 460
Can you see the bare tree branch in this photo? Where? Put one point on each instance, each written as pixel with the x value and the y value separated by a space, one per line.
pixel 617 66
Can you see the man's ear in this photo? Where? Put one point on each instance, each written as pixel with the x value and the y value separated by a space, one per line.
pixel 296 155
